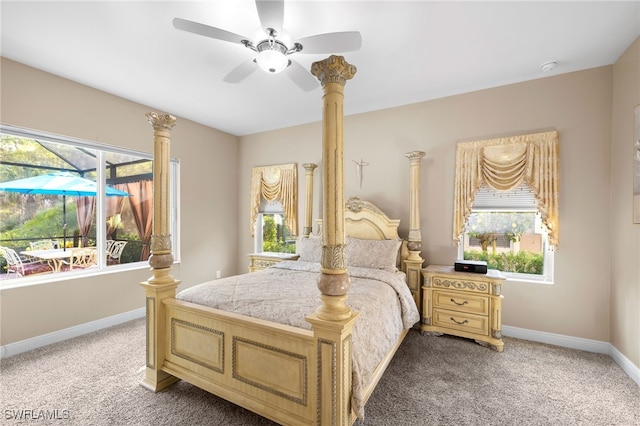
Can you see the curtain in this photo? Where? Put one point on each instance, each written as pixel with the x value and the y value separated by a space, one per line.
pixel 141 202
pixel 85 211
pixel 85 207
pixel 273 183
pixel 503 164
pixel 114 208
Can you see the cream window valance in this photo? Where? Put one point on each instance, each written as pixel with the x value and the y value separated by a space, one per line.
pixel 276 183
pixel 503 164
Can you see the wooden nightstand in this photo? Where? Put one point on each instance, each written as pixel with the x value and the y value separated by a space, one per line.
pixel 259 261
pixel 463 304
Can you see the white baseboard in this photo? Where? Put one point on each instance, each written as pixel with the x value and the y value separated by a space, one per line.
pixel 625 364
pixel 557 339
pixel 588 345
pixel 12 349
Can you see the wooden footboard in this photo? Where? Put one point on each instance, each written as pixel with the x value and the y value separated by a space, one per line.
pixel 287 374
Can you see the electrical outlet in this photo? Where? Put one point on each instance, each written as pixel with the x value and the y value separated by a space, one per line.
pixel 218 274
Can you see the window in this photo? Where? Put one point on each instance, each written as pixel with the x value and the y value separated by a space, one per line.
pixel 274 207
pixel 271 231
pixel 505 230
pixel 506 195
pixel 111 186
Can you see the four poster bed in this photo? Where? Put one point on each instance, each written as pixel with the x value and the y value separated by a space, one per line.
pixel 259 339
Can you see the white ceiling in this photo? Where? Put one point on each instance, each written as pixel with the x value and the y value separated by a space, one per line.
pixel 411 51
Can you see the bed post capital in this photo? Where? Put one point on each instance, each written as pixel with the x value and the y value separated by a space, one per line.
pixel 161 121
pixel 415 156
pixel 334 69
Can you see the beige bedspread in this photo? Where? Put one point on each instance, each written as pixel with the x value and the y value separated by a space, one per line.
pixel 286 293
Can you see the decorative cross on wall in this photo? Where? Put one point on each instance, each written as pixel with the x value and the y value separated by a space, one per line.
pixel 359 166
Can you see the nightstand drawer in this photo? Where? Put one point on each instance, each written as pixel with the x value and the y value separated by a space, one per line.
pixel 470 284
pixel 263 264
pixel 470 323
pixel 461 302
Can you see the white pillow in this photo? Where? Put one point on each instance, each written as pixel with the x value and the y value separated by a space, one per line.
pixel 309 248
pixel 374 254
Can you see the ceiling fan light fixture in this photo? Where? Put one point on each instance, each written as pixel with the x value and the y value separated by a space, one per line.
pixel 272 61
pixel 272 55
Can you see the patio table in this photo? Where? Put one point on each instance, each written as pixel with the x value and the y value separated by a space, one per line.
pixel 54 257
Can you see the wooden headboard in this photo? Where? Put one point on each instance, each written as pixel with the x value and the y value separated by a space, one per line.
pixel 363 219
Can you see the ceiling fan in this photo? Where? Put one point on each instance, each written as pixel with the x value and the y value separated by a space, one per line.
pixel 272 46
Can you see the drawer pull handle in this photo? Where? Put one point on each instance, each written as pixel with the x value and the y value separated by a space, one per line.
pixel 458 322
pixel 459 304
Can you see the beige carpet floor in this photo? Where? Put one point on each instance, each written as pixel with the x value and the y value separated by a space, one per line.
pixel 94 380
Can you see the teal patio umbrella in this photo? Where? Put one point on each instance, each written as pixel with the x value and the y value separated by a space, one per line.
pixel 61 183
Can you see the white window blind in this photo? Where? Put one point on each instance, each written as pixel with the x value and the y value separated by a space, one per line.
pixel 489 199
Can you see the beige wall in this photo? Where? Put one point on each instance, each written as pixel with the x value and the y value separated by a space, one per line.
pixel 37 100
pixel 625 236
pixel 578 105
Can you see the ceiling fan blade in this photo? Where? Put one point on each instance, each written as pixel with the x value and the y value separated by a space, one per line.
pixel 207 31
pixel 301 77
pixel 346 41
pixel 271 13
pixel 241 72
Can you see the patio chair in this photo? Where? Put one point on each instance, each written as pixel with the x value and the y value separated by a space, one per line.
pixel 22 268
pixel 114 251
pixel 43 245
pixel 81 258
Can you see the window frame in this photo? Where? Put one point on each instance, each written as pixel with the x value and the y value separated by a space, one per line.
pixel 100 209
pixel 548 254
pixel 266 208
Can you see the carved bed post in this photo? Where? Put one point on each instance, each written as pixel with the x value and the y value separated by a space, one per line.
pixel 161 285
pixel 415 236
pixel 308 214
pixel 334 279
pixel 332 323
pixel 413 263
